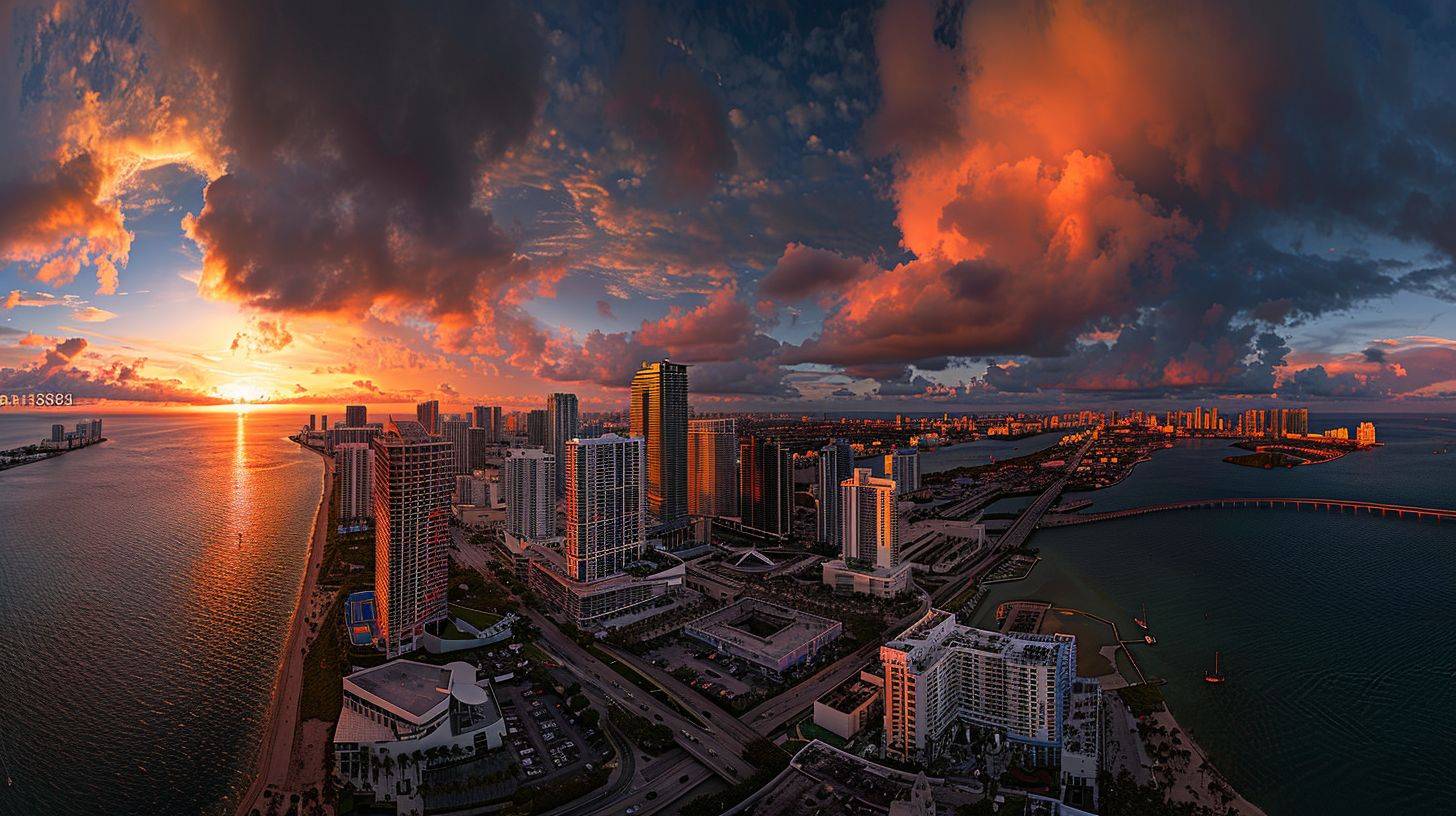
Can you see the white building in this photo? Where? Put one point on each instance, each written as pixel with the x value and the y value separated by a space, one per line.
pixel 403 707
pixel 903 465
pixel 943 679
pixel 606 502
pixel 870 538
pixel 355 463
pixel 530 488
pixel 413 481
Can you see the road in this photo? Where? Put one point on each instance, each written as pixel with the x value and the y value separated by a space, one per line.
pixel 773 714
pixel 1017 534
pixel 721 752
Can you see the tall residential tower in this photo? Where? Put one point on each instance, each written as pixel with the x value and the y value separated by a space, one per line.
pixel 659 416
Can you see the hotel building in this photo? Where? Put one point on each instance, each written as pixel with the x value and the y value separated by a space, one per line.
pixel 943 680
pixel 413 482
pixel 606 534
pixel 713 467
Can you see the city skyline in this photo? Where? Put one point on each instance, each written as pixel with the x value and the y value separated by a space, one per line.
pixel 567 408
pixel 1252 261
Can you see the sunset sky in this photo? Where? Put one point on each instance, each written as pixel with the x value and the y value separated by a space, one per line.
pixel 904 206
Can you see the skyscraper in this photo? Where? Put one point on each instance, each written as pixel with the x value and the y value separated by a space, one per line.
pixel 413 482
pixel 457 430
pixel 530 484
pixel 355 462
pixel 561 425
pixel 480 445
pixel 428 415
pixel 765 485
pixel 659 416
pixel 488 417
pixel 836 463
pixel 870 524
pixel 903 465
pixel 536 428
pixel 713 467
pixel 356 416
pixel 606 497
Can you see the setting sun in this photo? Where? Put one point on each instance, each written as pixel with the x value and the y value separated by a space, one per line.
pixel 242 392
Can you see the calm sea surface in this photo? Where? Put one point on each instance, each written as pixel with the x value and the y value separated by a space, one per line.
pixel 1335 629
pixel 140 639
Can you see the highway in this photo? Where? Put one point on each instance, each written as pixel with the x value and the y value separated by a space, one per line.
pixel 722 752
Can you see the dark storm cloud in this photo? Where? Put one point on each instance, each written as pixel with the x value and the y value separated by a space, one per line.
pixel 669 108
pixel 356 138
pixel 1065 169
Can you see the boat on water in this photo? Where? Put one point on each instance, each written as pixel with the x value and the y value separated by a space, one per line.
pixel 1142 621
pixel 1150 640
pixel 1215 676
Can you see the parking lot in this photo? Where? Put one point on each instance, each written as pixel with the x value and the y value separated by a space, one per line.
pixel 542 734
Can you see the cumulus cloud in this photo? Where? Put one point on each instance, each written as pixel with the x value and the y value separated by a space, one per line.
pixel 262 336
pixel 64 369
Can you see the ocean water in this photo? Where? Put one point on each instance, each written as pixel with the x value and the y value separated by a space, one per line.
pixel 1334 629
pixel 140 638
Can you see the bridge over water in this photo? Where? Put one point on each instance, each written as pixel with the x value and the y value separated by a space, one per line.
pixel 1328 505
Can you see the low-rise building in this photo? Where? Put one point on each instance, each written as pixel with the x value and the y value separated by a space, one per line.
pixel 765 634
pixel 401 707
pixel 848 708
pixel 866 580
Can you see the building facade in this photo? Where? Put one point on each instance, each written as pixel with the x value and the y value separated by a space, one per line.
pixel 457 430
pixel 942 678
pixel 413 482
pixel 713 467
pixel 356 416
pixel 606 497
pixel 561 425
pixel 903 465
pixel 836 463
pixel 659 416
pixel 488 418
pixel 427 414
pixel 355 464
pixel 530 486
pixel 766 486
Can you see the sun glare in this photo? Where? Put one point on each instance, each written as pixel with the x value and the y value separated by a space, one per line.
pixel 242 392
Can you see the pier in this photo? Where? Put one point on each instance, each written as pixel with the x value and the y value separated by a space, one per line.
pixel 1327 505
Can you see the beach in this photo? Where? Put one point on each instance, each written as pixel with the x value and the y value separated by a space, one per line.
pixel 281 729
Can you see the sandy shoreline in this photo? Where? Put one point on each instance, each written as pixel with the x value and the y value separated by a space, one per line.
pixel 275 752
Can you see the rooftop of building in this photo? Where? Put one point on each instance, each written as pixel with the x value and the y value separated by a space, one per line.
pixel 937 633
pixel 766 628
pixel 850 695
pixel 418 691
